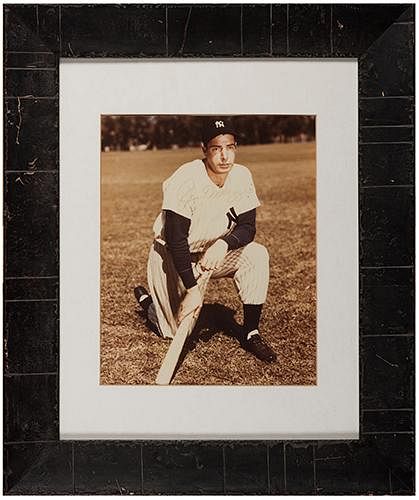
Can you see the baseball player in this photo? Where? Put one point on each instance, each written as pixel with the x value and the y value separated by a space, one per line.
pixel 207 223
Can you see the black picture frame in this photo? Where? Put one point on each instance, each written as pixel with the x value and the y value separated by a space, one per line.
pixel 381 37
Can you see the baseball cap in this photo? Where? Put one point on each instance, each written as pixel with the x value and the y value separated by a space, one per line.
pixel 216 126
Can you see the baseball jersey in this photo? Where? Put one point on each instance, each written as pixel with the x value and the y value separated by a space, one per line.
pixel 212 210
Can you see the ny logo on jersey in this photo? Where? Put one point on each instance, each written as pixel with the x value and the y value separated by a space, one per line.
pixel 232 217
pixel 219 124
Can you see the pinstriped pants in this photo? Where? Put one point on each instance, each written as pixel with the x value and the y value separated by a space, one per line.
pixel 247 266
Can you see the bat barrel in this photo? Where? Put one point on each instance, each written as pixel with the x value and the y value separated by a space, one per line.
pixel 171 359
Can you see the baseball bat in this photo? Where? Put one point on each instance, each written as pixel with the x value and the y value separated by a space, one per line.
pixel 171 359
pixel 173 353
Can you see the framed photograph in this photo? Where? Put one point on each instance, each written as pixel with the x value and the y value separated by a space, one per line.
pixel 209 249
pixel 139 155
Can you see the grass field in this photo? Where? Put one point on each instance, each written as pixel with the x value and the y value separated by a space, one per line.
pixel 285 178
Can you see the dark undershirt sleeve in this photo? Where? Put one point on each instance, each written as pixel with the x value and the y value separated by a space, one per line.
pixel 176 230
pixel 244 231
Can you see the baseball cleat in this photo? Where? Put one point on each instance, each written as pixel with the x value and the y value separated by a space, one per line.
pixel 145 301
pixel 142 296
pixel 260 349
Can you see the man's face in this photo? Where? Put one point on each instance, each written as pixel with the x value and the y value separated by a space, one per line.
pixel 220 153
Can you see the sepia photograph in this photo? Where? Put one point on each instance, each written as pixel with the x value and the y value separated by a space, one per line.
pixel 208 250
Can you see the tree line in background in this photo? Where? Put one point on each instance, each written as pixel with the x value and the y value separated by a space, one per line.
pixel 140 132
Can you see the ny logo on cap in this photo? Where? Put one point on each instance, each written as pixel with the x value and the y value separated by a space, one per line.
pixel 219 124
